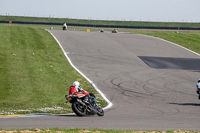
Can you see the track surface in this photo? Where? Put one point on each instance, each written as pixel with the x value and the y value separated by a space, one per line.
pixel 150 82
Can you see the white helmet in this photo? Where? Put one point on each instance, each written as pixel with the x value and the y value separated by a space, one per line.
pixel 77 85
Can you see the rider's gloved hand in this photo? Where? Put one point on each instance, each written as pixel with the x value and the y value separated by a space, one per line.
pixel 80 88
pixel 91 94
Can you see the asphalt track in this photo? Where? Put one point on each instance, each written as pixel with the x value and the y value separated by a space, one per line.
pixel 150 82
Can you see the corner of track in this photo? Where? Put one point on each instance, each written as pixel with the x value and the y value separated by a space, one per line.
pixel 90 81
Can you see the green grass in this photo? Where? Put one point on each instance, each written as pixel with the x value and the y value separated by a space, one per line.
pixel 34 72
pixel 98 22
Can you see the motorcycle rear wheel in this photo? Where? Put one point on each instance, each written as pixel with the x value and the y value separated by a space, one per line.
pixel 78 109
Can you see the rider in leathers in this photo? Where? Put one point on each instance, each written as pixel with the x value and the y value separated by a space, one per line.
pixel 77 88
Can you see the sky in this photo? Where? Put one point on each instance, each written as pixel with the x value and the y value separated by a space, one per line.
pixel 125 10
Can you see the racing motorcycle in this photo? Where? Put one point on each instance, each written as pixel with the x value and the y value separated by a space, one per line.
pixel 83 106
pixel 64 28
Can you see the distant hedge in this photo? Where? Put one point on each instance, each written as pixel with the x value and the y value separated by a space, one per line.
pixel 101 23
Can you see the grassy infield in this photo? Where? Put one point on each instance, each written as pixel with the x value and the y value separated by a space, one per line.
pixel 34 72
pixel 36 75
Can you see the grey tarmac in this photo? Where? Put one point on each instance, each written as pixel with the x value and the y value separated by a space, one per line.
pixel 150 82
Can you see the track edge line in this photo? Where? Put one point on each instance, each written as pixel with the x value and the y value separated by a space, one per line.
pixel 171 43
pixel 90 81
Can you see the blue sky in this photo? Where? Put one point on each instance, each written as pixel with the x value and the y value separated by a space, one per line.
pixel 134 10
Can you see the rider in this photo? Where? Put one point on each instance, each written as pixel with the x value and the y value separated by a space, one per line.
pixel 77 88
pixel 64 26
pixel 198 88
pixel 102 30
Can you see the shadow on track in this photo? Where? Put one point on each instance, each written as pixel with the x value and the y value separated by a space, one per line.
pixel 67 115
pixel 74 115
pixel 172 63
pixel 187 104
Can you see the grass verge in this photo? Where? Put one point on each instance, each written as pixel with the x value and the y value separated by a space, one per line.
pixel 35 75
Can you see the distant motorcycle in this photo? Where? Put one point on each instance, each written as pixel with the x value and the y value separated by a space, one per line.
pixel 102 30
pixel 86 105
pixel 64 28
pixel 114 31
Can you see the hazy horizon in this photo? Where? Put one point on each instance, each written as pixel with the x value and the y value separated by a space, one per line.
pixel 118 10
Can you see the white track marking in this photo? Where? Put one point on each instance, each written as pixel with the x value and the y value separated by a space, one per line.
pixel 171 43
pixel 90 81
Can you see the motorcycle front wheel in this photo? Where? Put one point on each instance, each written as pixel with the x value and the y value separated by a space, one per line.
pixel 100 111
pixel 78 109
